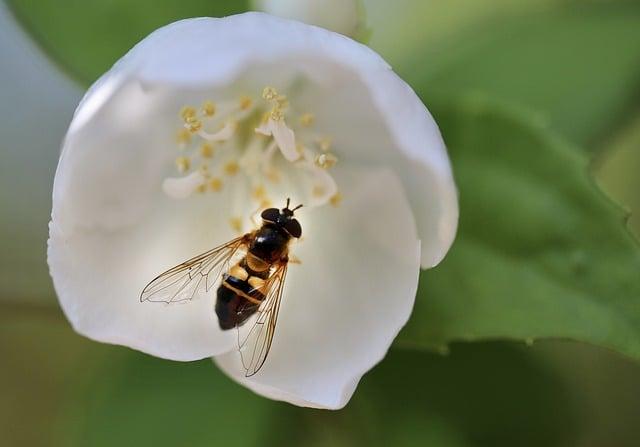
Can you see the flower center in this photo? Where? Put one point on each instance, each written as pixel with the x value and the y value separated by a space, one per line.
pixel 248 146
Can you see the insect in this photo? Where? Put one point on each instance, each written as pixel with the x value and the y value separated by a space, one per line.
pixel 253 269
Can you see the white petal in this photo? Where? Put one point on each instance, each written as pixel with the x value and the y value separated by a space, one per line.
pixel 113 229
pixel 379 119
pixel 343 306
pixel 382 118
pixel 425 167
pixel 99 275
pixel 211 51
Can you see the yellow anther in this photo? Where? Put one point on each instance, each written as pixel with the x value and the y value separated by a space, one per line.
pixel 215 184
pixel 193 124
pixel 326 160
pixel 259 192
pixel 183 136
pixel 276 114
pixel 183 164
pixel 325 143
pixel 336 199
pixel 231 168
pixel 208 108
pixel 236 224
pixel 307 119
pixel 187 112
pixel 205 145
pixel 265 118
pixel 206 150
pixel 282 101
pixel 318 191
pixel 273 175
pixel 269 93
pixel 245 102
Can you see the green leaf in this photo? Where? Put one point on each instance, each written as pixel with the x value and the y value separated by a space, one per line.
pixel 540 251
pixel 88 37
pixel 61 389
pixel 481 395
pixel 43 361
pixel 605 386
pixel 577 63
pixel 617 169
pixel 158 402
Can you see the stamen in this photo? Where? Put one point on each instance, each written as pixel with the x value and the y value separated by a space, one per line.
pixel 206 150
pixel 183 187
pixel 325 143
pixel 326 161
pixel 245 102
pixel 187 112
pixel 256 157
pixel 215 184
pixel 323 186
pixel 276 114
pixel 208 109
pixel 231 168
pixel 183 164
pixel 307 119
pixel 269 93
pixel 336 199
pixel 282 102
pixel 236 224
pixel 183 137
pixel 259 192
pixel 193 124
pixel 273 175
pixel 284 137
pixel 318 191
pixel 222 135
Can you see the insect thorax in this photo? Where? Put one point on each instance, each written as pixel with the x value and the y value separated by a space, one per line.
pixel 270 243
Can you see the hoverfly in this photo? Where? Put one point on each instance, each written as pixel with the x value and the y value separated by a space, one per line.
pixel 253 269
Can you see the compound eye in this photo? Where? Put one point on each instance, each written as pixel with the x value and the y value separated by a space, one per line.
pixel 270 215
pixel 293 228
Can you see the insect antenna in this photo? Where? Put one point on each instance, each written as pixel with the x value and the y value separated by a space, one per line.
pixel 297 207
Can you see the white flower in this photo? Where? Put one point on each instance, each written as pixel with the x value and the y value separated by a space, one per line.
pixel 263 108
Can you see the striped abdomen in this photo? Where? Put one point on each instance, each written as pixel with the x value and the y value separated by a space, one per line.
pixel 240 294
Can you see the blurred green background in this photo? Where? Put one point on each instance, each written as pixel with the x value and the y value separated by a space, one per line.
pixel 528 334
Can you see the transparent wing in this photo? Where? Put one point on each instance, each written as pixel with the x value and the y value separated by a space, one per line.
pixel 182 282
pixel 254 340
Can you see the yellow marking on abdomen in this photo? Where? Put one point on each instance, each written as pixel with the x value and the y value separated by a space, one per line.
pixel 241 293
